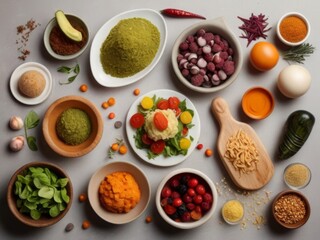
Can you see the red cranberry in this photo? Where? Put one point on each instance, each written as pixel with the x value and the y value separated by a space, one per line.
pixel 200 189
pixel 175 194
pixel 169 209
pixel 191 192
pixel 174 183
pixel 205 206
pixel 198 209
pixel 190 206
pixel 192 183
pixel 186 217
pixel 207 197
pixel 166 192
pixel 197 199
pixel 186 198
pixel 177 202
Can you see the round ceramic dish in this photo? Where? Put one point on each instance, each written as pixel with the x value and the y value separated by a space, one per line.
pixel 293 14
pixel 44 221
pixel 233 207
pixel 297 176
pixel 28 66
pixel 302 198
pixel 192 224
pixel 141 179
pixel 257 103
pixel 52 115
pixel 161 160
pixel 216 26
pixel 51 24
pixel 96 67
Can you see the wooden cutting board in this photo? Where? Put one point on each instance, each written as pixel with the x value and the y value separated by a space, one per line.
pixel 229 127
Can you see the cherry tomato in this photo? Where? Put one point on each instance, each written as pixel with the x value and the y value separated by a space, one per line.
pixel 197 199
pixel 173 102
pixel 163 104
pixel 200 189
pixel 178 111
pixel 184 131
pixel 193 182
pixel 146 140
pixel 166 192
pixel 158 146
pixel 264 56
pixel 160 121
pixel 137 120
pixel 177 202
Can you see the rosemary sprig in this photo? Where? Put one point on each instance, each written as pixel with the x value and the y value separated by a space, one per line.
pixel 299 53
pixel 68 70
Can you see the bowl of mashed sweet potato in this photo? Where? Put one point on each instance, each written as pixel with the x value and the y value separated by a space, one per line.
pixel 119 192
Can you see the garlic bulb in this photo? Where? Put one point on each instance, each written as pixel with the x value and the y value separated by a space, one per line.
pixel 16 123
pixel 17 143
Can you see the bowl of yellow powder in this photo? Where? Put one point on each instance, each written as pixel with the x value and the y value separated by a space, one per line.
pixel 127 47
pixel 119 192
pixel 72 126
pixel 232 212
pixel 297 176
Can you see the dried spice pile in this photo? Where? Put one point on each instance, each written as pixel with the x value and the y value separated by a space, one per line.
pixel 254 27
pixel 254 203
pixel 23 32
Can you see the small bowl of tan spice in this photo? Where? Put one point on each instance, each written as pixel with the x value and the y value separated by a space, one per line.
pixel 291 209
pixel 297 176
pixel 293 29
pixel 119 192
pixel 66 36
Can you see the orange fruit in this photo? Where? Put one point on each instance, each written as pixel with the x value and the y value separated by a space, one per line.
pixel 264 56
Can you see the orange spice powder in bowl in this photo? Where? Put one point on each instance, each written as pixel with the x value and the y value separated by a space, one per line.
pixel 293 29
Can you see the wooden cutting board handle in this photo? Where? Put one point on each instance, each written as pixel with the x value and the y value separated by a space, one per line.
pixel 229 127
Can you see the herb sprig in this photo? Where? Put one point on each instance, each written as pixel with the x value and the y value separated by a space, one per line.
pixel 75 70
pixel 299 53
pixel 31 121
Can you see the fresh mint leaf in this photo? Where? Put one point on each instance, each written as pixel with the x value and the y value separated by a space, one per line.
pixel 64 69
pixel 68 70
pixel 31 120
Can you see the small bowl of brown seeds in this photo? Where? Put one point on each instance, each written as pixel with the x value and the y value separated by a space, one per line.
pixel 291 209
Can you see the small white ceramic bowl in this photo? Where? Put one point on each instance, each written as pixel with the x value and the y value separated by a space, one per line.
pixel 52 24
pixel 206 181
pixel 303 18
pixel 216 26
pixel 141 179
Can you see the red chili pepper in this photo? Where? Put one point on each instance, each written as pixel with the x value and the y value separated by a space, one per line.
pixel 180 13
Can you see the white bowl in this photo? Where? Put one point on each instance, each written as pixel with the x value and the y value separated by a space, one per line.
pixel 51 24
pixel 141 179
pixel 205 217
pixel 96 67
pixel 299 15
pixel 216 26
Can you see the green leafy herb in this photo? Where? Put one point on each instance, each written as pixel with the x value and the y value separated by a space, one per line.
pixel 31 121
pixel 299 53
pixel 75 70
pixel 40 191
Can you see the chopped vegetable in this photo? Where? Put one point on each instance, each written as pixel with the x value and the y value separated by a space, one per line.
pixel 158 147
pixel 160 121
pixel 254 27
pixel 137 120
pixel 172 12
pixel 299 53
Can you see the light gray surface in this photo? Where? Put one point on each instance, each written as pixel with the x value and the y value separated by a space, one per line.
pixel 96 13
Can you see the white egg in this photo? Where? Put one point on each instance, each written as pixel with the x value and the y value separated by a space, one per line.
pixel 294 81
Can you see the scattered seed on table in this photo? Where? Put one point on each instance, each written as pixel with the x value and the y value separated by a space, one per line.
pixel 136 91
pixel 83 88
pixel 118 124
pixel 111 101
pixel 69 227
pixel 85 224
pixel 82 197
pixel 111 115
pixel 105 105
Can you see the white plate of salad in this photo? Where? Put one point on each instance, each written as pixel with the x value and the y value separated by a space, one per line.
pixel 163 127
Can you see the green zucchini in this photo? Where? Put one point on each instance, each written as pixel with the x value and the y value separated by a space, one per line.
pixel 296 132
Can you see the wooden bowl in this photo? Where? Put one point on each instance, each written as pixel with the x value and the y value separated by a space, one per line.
pixel 298 223
pixel 50 120
pixel 44 221
pixel 141 179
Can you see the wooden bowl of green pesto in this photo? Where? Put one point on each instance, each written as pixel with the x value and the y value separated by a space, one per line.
pixel 64 123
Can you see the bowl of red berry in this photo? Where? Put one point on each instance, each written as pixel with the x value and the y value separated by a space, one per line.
pixel 186 198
